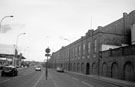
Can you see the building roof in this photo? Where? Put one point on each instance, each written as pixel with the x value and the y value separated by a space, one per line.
pixel 9 56
pixel 7 49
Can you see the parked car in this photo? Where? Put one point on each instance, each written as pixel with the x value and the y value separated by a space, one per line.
pixel 59 69
pixel 9 71
pixel 1 66
pixel 37 68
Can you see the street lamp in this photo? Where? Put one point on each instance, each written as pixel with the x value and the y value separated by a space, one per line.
pixel 16 51
pixel 4 18
pixel 18 38
pixel 69 53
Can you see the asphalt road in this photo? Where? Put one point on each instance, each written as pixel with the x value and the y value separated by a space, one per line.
pixel 75 80
pixel 28 77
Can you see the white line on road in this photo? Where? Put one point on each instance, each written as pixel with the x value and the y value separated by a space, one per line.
pixel 75 78
pixel 55 84
pixel 38 80
pixel 5 80
pixel 87 84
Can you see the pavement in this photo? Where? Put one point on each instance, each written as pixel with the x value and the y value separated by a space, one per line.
pixel 120 83
pixel 45 82
pixel 117 82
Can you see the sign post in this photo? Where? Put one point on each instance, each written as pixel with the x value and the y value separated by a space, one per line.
pixel 47 55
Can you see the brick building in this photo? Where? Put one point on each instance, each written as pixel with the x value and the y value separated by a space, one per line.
pixel 105 51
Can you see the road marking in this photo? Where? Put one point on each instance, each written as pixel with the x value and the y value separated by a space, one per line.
pixel 38 80
pixel 87 84
pixel 55 83
pixel 5 80
pixel 75 78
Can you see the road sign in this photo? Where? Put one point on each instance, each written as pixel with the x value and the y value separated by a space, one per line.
pixel 47 50
pixel 47 54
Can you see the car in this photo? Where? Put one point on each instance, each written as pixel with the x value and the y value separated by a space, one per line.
pixel 9 71
pixel 59 69
pixel 37 68
pixel 1 66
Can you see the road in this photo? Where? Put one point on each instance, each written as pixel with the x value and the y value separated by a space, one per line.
pixel 28 77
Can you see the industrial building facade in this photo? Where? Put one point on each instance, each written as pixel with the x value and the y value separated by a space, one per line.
pixel 107 51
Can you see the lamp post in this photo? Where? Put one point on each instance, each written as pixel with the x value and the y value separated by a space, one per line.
pixel 47 54
pixel 65 39
pixel 16 49
pixel 69 54
pixel 4 18
pixel 18 38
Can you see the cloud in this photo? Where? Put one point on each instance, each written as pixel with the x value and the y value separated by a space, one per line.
pixel 10 27
pixel 5 28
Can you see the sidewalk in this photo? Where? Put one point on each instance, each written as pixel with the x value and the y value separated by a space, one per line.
pixel 112 81
pixel 117 82
pixel 43 82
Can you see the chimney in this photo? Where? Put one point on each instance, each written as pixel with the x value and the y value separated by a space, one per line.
pixel 124 22
pixel 99 27
pixel 90 32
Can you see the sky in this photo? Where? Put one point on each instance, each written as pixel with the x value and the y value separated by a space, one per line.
pixel 54 23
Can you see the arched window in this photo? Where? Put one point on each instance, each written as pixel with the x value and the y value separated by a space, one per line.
pixel 114 70
pixel 129 71
pixel 94 69
pixel 82 68
pixel 87 68
pixel 77 67
pixel 104 69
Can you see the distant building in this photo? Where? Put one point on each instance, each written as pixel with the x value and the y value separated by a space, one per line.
pixel 7 55
pixel 106 51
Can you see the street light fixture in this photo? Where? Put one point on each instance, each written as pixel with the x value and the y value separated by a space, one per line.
pixel 18 38
pixel 69 53
pixel 16 51
pixel 4 18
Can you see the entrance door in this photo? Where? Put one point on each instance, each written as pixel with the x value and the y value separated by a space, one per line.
pixel 87 69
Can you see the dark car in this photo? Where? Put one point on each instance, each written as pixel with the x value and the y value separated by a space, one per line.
pixel 1 66
pixel 9 71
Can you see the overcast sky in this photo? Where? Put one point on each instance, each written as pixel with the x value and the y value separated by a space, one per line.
pixel 55 23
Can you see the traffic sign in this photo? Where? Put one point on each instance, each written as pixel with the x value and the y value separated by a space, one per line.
pixel 47 50
pixel 47 54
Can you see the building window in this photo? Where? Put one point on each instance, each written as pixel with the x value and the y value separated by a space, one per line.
pixel 89 48
pixel 79 50
pixel 76 52
pixel 73 53
pixel 95 46
pixel 83 49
